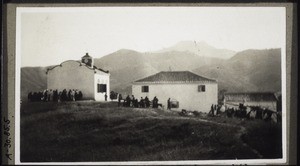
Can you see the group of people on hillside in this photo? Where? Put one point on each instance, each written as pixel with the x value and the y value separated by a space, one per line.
pixel 55 95
pixel 250 112
pixel 215 109
pixel 131 101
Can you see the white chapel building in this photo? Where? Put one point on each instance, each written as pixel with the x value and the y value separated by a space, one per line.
pixel 93 82
pixel 189 90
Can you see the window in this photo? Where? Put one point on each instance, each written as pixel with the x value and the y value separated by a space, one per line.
pixel 145 89
pixel 101 88
pixel 201 88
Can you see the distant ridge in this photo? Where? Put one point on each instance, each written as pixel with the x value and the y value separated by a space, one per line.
pixel 201 49
pixel 248 71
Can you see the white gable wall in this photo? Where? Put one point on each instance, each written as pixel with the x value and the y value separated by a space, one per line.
pixel 72 75
pixel 101 78
pixel 187 94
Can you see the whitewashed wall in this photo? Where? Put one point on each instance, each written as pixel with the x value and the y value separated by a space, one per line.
pixel 187 94
pixel 72 76
pixel 101 78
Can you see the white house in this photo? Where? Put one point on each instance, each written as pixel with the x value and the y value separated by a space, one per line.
pixel 93 82
pixel 191 91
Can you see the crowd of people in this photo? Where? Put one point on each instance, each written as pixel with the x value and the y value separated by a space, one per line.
pixel 131 101
pixel 253 112
pixel 215 109
pixel 55 95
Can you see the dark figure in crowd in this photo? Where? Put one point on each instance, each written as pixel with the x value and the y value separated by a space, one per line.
pixel 241 112
pixel 64 95
pixel 218 110
pixel 45 95
pixel 212 109
pixel 29 97
pixel 132 100
pixel 169 104
pixel 76 95
pixel 267 114
pixel 39 96
pixel 55 95
pixel 124 103
pixel 142 103
pixel 155 102
pixel 147 102
pixel 258 113
pixel 136 103
pixel 80 95
pixel 49 95
pixel 59 97
pixel 105 96
pixel 119 99
pixel 229 112
pixel 69 95
pixel 127 101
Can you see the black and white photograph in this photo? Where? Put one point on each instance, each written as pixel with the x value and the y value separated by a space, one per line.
pixel 151 85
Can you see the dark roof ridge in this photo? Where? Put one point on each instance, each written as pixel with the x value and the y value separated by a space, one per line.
pixel 91 68
pixel 174 76
pixel 87 55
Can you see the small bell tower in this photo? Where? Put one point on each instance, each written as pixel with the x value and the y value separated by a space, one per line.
pixel 88 60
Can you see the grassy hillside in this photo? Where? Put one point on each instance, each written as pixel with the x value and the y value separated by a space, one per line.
pixel 94 131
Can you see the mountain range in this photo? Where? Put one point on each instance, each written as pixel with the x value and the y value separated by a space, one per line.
pixel 201 49
pixel 249 70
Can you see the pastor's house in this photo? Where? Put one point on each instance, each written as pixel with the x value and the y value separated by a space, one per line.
pixel 191 91
pixel 93 82
pixel 266 100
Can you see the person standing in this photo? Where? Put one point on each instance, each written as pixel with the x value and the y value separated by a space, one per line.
pixel 212 110
pixel 147 102
pixel 169 104
pixel 119 99
pixel 155 102
pixel 132 100
pixel 127 101
pixel 105 96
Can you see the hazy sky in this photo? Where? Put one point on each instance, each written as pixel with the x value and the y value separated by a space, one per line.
pixel 52 35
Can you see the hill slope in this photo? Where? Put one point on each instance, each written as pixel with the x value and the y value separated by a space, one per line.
pixel 250 70
pixel 33 79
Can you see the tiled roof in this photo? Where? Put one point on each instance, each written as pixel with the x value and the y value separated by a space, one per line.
pixel 173 77
pixel 250 96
